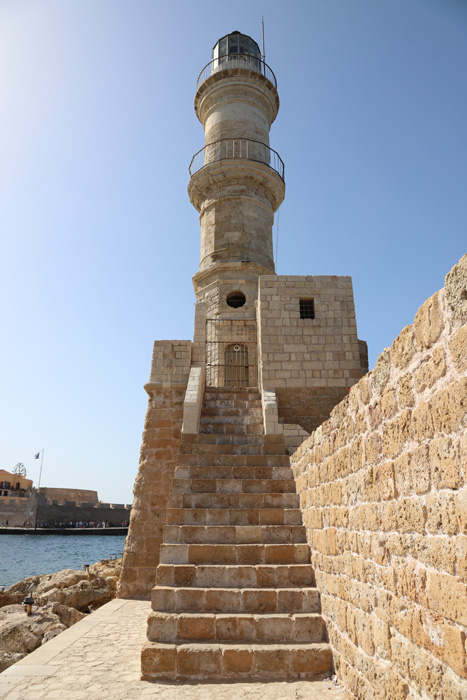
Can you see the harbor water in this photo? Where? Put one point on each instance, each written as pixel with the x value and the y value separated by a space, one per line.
pixel 28 555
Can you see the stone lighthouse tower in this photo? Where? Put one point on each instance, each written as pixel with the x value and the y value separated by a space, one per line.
pixel 236 183
pixel 216 537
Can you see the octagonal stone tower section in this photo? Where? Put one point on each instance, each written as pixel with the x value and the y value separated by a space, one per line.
pixel 237 180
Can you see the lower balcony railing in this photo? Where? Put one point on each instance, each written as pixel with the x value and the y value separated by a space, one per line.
pixel 237 148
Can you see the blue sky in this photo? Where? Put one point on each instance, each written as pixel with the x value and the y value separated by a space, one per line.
pixel 99 240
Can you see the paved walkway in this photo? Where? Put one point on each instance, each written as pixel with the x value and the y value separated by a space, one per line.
pixel 99 659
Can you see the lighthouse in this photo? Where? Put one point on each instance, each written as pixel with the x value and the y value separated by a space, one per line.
pixel 216 537
pixel 236 184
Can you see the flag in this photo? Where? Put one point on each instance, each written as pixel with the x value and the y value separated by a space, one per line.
pixel 37 456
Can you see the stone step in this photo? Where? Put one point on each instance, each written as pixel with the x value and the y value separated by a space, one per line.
pixel 235 501
pixel 226 391
pixel 226 401
pixel 234 486
pixel 235 600
pixel 211 428
pixel 239 421
pixel 291 553
pixel 232 408
pixel 234 516
pixel 233 472
pixel 231 402
pixel 231 439
pixel 197 662
pixel 222 576
pixel 230 449
pixel 221 460
pixel 234 534
pixel 279 628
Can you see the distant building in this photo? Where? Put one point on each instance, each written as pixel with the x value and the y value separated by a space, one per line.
pixel 13 484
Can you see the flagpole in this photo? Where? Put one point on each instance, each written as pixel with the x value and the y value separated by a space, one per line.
pixel 38 488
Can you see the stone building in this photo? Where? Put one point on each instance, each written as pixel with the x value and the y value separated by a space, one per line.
pixel 14 485
pixel 215 508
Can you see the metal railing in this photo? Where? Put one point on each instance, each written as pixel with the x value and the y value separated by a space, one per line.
pixel 221 63
pixel 237 148
pixel 231 359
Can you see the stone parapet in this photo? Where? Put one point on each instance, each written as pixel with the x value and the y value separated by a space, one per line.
pixel 193 400
pixel 171 362
pixel 199 334
pixel 270 416
pixel 383 490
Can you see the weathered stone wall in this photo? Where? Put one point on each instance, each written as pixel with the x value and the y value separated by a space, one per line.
pixel 213 287
pixel 310 362
pixel 158 458
pixel 308 407
pixel 384 497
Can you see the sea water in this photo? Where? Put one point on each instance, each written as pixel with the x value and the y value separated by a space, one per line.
pixel 28 555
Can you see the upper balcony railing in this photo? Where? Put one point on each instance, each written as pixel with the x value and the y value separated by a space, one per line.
pixel 237 148
pixel 221 63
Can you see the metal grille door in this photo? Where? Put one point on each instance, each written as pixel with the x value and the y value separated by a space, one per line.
pixel 236 366
pixel 231 353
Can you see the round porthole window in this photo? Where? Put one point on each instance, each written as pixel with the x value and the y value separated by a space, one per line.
pixel 236 299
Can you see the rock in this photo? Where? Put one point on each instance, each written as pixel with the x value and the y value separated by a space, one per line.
pixel 61 600
pixel 17 592
pixel 68 616
pixel 62 579
pixel 21 634
pixel 54 632
pixel 86 593
pixel 106 568
pixel 7 659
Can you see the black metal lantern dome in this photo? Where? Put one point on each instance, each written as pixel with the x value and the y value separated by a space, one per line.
pixel 236 44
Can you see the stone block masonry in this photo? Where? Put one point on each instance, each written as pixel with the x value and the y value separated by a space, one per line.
pixel 383 489
pixel 309 362
pixel 158 458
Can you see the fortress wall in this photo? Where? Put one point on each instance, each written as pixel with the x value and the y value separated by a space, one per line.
pixel 62 495
pixel 383 487
pixel 17 510
pixel 50 513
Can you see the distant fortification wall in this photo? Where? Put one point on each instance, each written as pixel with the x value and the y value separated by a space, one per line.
pixel 18 510
pixel 63 495
pixel 55 506
pixel 383 487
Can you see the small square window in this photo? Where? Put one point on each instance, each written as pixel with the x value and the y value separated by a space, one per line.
pixel 307 308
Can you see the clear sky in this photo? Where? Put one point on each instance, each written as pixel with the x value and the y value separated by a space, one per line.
pixel 99 240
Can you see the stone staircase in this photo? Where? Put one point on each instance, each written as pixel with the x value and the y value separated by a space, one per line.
pixel 234 596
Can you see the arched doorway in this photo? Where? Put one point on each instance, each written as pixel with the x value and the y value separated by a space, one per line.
pixel 236 366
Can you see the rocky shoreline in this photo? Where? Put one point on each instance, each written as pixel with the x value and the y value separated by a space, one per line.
pixel 60 600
